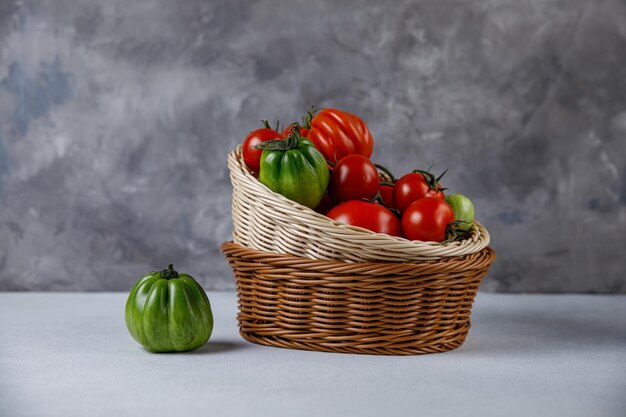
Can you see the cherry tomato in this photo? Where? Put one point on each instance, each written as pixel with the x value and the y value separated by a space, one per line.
pixel 427 219
pixel 325 205
pixel 463 209
pixel 303 130
pixel 252 155
pixel 414 186
pixel 369 216
pixel 336 133
pixel 387 182
pixel 386 193
pixel 353 178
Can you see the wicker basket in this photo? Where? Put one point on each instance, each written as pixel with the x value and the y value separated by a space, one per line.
pixel 269 222
pixel 307 282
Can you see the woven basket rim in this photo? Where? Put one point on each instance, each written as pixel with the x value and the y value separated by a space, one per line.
pixel 370 267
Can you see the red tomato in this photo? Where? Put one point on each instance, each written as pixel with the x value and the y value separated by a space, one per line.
pixel 427 219
pixel 325 205
pixel 252 155
pixel 336 133
pixel 414 186
pixel 386 193
pixel 387 182
pixel 353 178
pixel 303 130
pixel 369 216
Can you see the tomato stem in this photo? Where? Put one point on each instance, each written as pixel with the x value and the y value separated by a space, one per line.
pixel 441 176
pixel 293 127
pixel 395 212
pixel 306 120
pixel 431 180
pixel 386 171
pixel 169 273
pixel 292 142
pixel 454 233
pixel 377 199
pixel 266 124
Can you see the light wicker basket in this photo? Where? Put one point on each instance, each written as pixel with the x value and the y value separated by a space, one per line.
pixel 270 222
pixel 307 282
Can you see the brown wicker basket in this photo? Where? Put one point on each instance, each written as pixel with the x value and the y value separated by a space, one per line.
pixel 307 282
pixel 366 307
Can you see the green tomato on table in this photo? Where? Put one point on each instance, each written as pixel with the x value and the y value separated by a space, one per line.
pixel 168 311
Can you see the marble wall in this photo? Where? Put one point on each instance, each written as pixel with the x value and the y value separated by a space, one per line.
pixel 116 118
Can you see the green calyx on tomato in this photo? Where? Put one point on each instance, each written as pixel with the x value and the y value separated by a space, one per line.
pixel 168 311
pixel 294 168
pixel 310 114
pixel 414 186
pixel 463 209
pixel 455 232
pixel 251 154
pixel 169 273
pixel 430 179
pixel 387 182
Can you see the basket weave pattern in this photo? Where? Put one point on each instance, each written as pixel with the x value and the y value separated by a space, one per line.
pixel 365 307
pixel 307 282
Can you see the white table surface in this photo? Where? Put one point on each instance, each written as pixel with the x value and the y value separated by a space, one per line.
pixel 69 354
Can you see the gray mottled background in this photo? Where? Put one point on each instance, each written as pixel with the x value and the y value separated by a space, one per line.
pixel 116 118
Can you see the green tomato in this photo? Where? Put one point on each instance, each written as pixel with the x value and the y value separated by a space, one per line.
pixel 463 210
pixel 294 168
pixel 169 312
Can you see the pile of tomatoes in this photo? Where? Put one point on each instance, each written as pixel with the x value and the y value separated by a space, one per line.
pixel 325 163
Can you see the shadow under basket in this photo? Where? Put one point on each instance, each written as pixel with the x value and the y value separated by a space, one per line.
pixel 362 307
